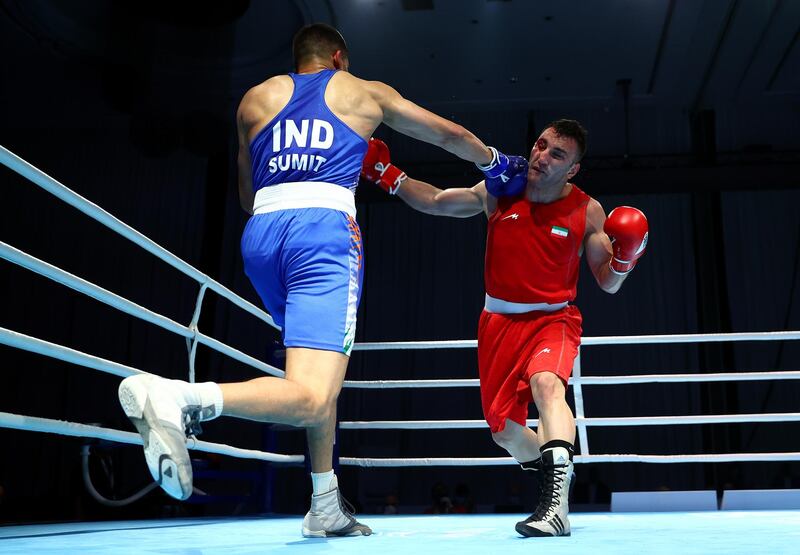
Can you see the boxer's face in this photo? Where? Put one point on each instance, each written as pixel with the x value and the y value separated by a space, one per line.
pixel 552 159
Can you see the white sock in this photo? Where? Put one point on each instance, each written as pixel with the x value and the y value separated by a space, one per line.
pixel 323 482
pixel 210 396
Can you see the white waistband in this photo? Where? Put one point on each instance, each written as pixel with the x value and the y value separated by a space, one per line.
pixel 304 194
pixel 499 306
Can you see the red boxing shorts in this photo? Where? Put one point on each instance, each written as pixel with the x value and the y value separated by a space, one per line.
pixel 514 347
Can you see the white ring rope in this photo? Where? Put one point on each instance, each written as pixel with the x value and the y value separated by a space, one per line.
pixel 193 336
pixel 78 284
pixel 397 384
pixel 54 350
pixel 27 261
pixel 238 355
pixel 91 290
pixel 416 345
pixel 690 338
pixel 589 380
pixel 122 304
pixel 683 378
pixel 503 461
pixel 580 413
pixel 587 341
pixel 602 421
pixel 47 425
pixel 38 177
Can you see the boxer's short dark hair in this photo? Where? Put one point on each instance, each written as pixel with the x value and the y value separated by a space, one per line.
pixel 573 129
pixel 316 40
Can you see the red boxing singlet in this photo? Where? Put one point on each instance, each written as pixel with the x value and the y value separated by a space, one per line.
pixel 533 250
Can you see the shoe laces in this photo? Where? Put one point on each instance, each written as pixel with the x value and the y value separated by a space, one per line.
pixel 191 421
pixel 346 506
pixel 552 482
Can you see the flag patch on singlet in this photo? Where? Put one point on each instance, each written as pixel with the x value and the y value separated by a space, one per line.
pixel 560 231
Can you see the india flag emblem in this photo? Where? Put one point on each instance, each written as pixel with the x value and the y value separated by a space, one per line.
pixel 560 231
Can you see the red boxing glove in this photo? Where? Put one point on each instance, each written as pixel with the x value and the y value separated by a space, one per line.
pixel 377 167
pixel 627 228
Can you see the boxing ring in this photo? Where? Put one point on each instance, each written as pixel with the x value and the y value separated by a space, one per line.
pixel 712 532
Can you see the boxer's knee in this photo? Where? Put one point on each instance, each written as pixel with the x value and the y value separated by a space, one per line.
pixel 508 437
pixel 547 389
pixel 316 410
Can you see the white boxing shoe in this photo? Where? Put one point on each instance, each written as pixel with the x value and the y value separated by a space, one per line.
pixel 551 517
pixel 165 412
pixel 331 515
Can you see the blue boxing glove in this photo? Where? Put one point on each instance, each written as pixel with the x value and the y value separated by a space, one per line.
pixel 506 176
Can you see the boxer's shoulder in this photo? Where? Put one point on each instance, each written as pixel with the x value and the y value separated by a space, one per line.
pixel 263 102
pixel 595 217
pixel 275 89
pixel 351 97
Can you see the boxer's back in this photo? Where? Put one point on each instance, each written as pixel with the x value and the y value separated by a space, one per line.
pixel 349 98
pixel 309 127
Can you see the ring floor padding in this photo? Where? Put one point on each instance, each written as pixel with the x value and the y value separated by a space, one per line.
pixel 708 533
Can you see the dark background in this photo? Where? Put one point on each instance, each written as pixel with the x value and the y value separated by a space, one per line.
pixel 693 111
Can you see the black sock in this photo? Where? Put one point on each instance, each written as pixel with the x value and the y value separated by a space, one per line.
pixel 559 443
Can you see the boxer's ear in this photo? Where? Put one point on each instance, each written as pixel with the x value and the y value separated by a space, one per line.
pixel 340 60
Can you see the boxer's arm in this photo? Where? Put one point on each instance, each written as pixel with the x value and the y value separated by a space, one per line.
pixel 245 175
pixel 409 119
pixel 597 247
pixel 458 202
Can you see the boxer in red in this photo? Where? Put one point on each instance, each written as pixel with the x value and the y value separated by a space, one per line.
pixel 529 333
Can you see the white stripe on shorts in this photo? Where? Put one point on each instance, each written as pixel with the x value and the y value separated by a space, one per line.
pixel 304 194
pixel 499 306
pixel 352 298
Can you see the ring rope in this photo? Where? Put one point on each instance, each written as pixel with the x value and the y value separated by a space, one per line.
pixel 53 350
pixel 601 421
pixel 236 354
pixel 416 345
pixel 78 284
pixel 54 187
pixel 25 342
pixel 577 396
pixel 89 289
pixel 682 378
pixel 588 341
pixel 61 427
pixel 397 384
pixel 40 346
pixel 191 344
pixel 588 380
pixel 122 304
pixel 502 461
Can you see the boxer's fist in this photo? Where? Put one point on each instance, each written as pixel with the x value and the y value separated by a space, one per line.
pixel 506 176
pixel 377 167
pixel 627 228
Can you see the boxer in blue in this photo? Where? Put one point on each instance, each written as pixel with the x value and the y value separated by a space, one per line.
pixel 302 139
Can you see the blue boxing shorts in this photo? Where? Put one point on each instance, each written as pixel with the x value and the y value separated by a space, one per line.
pixel 307 266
